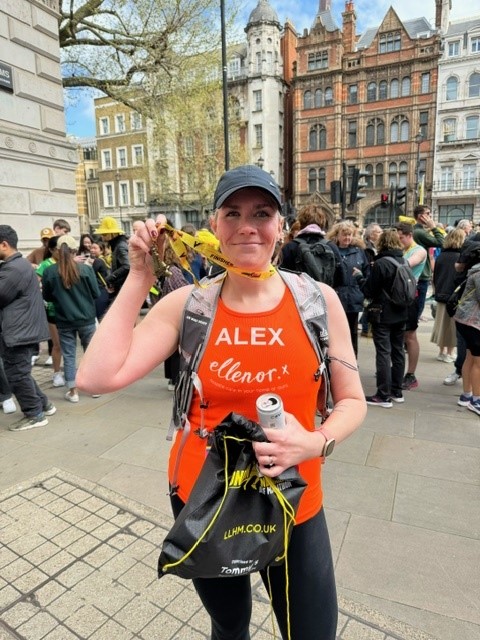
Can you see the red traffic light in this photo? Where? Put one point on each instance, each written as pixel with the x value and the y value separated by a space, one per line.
pixel 384 200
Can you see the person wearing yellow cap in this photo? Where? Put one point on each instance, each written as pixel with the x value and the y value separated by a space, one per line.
pixel 36 256
pixel 115 237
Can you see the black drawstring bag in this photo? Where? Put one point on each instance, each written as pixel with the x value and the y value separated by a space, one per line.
pixel 236 521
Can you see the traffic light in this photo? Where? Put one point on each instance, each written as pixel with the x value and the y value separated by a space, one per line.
pixel 335 192
pixel 355 194
pixel 400 195
pixel 384 200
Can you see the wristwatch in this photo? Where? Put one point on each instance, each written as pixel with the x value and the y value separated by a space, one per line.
pixel 329 445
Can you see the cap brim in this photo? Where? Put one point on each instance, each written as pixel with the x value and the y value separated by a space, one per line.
pixel 248 185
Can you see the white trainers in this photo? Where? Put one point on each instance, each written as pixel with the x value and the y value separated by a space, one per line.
pixel 58 379
pixel 34 360
pixel 452 378
pixel 9 406
pixel 71 397
pixel 49 361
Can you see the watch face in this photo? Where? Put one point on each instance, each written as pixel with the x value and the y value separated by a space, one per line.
pixel 329 447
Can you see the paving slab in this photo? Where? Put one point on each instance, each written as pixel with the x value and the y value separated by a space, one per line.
pixel 100 582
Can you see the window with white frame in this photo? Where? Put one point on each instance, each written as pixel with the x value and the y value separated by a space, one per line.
pixel 257 100
pixel 123 194
pixel 317 60
pixel 137 154
pixel 108 194
pixel 446 177
pixel 449 130
pixel 139 192
pixel 452 88
pixel 135 121
pixel 475 44
pixel 474 86
pixel 104 126
pixel 120 123
pixel 472 128
pixel 122 157
pixel 389 42
pixel 234 67
pixel 258 130
pixel 211 145
pixel 469 175
pixel 106 159
pixel 454 49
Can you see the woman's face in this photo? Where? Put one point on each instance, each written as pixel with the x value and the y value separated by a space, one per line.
pixel 95 250
pixel 345 238
pixel 87 244
pixel 248 226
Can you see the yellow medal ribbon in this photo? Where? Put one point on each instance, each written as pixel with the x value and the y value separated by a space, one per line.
pixel 181 242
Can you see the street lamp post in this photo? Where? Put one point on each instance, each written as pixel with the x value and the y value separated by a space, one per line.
pixel 418 141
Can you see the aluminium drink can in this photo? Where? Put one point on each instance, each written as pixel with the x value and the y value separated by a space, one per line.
pixel 270 411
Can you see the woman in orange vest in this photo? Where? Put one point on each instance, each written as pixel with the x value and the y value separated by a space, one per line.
pixel 257 343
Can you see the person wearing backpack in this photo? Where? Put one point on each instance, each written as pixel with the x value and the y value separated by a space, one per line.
pixel 387 320
pixel 255 341
pixel 355 260
pixel 309 251
pixel 416 257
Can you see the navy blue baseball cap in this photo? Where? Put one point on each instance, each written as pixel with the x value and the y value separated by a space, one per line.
pixel 247 175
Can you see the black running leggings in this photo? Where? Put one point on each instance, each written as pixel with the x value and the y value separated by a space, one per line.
pixel 312 592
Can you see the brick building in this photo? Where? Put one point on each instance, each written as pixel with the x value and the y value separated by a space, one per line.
pixel 368 102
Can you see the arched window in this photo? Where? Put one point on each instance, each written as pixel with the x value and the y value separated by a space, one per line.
pixel 383 90
pixel 404 130
pixel 379 175
pixel 307 100
pixel 321 180
pixel 370 135
pixel 452 88
pixel 317 138
pixel 328 96
pixel 402 177
pixel 394 88
pixel 392 173
pixel 474 86
pixel 371 92
pixel 322 137
pixel 369 177
pixel 380 132
pixel 394 131
pixel 318 98
pixel 406 86
pixel 375 132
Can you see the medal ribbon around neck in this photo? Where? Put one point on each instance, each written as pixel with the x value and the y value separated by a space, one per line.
pixel 181 242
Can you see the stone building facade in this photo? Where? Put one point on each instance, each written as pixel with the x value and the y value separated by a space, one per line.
pixel 456 185
pixel 37 162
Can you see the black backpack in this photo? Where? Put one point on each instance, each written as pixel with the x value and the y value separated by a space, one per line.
pixel 404 287
pixel 316 258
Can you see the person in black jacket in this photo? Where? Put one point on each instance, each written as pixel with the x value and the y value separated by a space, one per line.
pixel 114 235
pixel 388 322
pixel 23 325
pixel 444 277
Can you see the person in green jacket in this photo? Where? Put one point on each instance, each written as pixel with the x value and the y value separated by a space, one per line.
pixel 72 287
pixel 427 234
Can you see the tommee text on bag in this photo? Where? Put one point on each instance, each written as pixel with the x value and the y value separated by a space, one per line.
pixel 236 521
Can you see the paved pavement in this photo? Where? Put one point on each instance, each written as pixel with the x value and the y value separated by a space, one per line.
pixel 83 511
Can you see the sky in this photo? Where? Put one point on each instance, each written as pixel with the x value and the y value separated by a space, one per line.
pixel 79 115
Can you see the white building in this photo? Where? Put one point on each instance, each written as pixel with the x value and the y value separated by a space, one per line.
pixel 37 162
pixel 456 186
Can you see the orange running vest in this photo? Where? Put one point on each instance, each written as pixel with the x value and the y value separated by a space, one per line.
pixel 249 354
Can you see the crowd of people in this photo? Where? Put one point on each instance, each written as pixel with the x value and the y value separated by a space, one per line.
pixel 440 259
pixel 58 293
